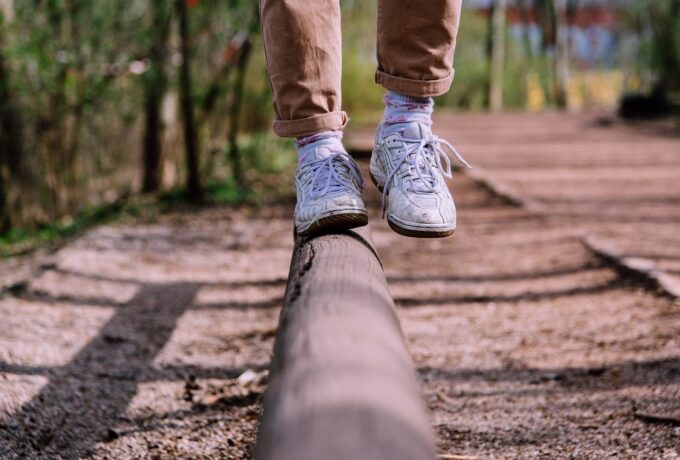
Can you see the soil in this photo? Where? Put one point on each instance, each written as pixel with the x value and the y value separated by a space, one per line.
pixel 152 340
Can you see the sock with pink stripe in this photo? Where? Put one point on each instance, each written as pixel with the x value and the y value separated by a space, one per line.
pixel 401 110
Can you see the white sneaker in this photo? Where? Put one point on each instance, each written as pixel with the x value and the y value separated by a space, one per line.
pixel 407 167
pixel 329 194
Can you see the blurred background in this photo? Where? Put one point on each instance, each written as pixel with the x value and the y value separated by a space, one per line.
pixel 125 106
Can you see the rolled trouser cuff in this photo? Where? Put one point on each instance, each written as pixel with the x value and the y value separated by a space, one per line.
pixel 415 88
pixel 331 121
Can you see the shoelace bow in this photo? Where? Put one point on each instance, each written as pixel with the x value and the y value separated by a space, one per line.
pixel 335 181
pixel 418 155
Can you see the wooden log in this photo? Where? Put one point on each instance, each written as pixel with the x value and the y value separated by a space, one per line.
pixel 341 384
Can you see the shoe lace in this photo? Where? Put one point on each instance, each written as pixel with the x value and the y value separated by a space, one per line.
pixel 427 161
pixel 335 173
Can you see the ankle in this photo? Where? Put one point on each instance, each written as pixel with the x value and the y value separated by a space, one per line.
pixel 401 109
pixel 319 145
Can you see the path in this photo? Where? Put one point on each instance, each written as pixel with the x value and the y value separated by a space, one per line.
pixel 152 340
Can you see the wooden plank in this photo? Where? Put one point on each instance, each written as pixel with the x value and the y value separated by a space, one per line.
pixel 341 385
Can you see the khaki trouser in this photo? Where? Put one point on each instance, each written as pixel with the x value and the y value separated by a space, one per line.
pixel 303 45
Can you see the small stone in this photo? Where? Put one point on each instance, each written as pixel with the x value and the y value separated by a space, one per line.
pixel 111 435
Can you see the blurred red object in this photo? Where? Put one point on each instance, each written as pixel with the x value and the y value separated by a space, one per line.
pixel 232 51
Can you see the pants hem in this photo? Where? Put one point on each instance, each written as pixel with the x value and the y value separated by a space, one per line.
pixel 331 121
pixel 415 88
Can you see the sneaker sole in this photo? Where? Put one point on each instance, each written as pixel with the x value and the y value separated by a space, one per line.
pixel 419 233
pixel 336 223
pixel 409 231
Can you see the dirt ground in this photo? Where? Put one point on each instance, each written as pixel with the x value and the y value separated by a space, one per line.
pixel 152 340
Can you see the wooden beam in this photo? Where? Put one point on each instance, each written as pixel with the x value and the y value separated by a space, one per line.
pixel 341 384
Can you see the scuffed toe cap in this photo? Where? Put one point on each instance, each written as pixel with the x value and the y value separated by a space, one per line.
pixel 345 201
pixel 427 210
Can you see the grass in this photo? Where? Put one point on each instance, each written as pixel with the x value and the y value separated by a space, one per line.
pixel 19 241
pixel 269 163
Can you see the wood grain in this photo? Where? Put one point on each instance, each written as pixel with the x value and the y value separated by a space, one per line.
pixel 342 384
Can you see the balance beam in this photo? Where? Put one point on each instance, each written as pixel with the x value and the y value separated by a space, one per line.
pixel 341 383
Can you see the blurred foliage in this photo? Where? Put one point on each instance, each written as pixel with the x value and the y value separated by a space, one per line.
pixel 361 98
pixel 76 73
pixel 271 166
pixel 663 18
pixel 471 80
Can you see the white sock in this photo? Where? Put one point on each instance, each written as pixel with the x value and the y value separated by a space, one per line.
pixel 401 110
pixel 319 145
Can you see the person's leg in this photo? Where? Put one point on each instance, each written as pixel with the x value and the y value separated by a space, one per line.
pixel 304 52
pixel 303 47
pixel 416 41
